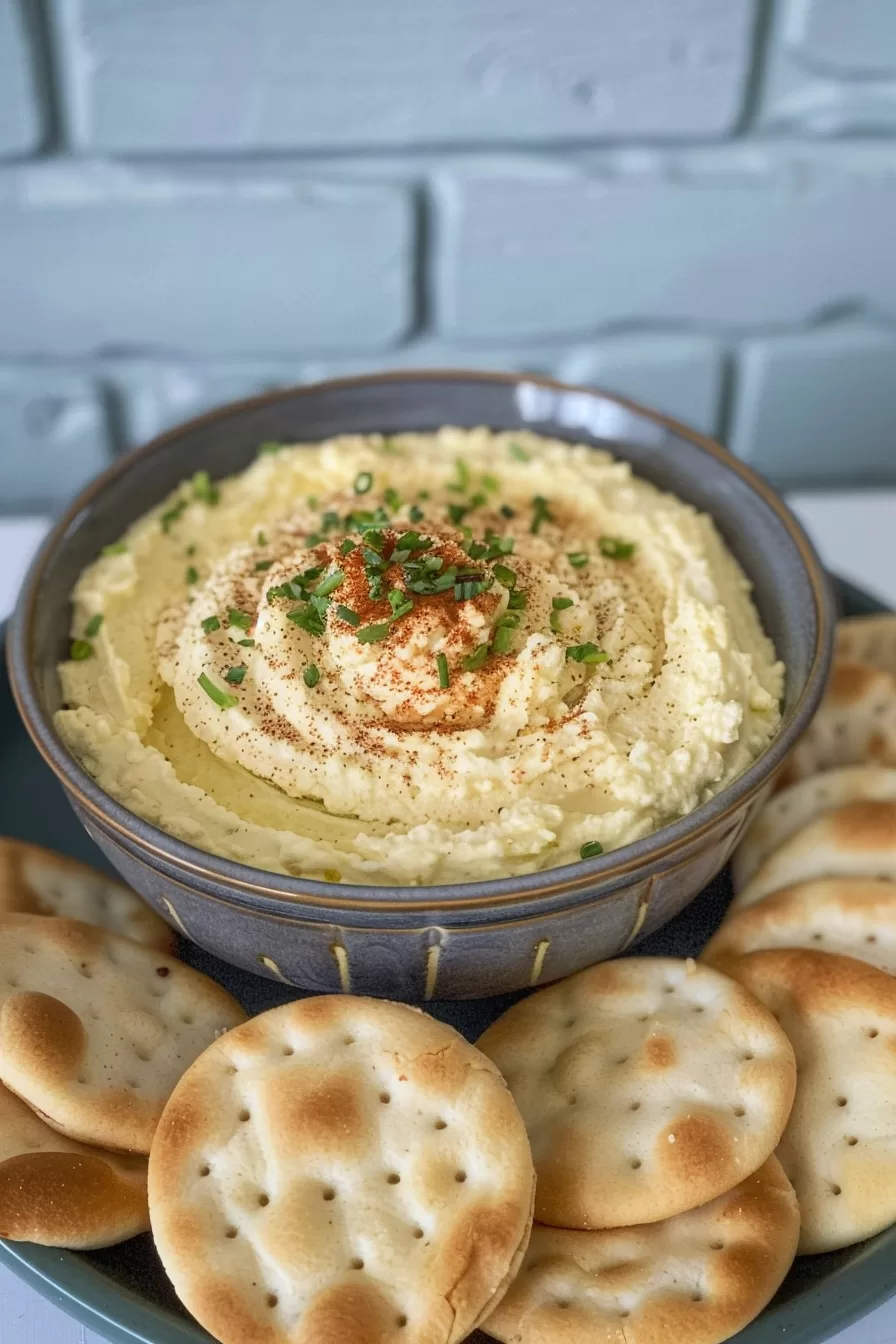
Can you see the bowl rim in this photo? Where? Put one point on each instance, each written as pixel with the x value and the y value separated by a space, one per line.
pixel 608 870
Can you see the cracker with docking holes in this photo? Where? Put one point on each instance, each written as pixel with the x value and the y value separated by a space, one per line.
pixel 648 1086
pixel 96 1029
pixel 700 1276
pixel 858 840
pixel 789 811
pixel 839 1147
pixel 851 915
pixel 855 724
pixel 61 1193
pixel 868 639
pixel 341 1169
pixel 36 881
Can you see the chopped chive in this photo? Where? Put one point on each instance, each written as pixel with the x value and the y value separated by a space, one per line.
pixel 457 513
pixel 615 549
pixel 363 482
pixel 416 514
pixel 476 659
pixel 396 598
pixel 115 548
pixel 329 584
pixel 504 575
pixel 541 513
pixel 93 625
pixel 171 515
pixel 578 559
pixel 203 488
pixel 191 550
pixel 503 638
pixel 261 539
pixel 476 549
pixel 210 624
pixel 423 494
pixel 246 643
pixel 221 698
pixel 562 603
pixel 270 446
pixel 372 634
pixel 517 451
pixel 313 539
pixel 392 499
pixel 507 511
pixel 241 619
pixel 80 649
pixel 282 590
pixel 490 482
pixel 350 617
pixel 306 618
pixel 390 448
pixel 591 849
pixel 442 665
pixel 587 653
pixel 329 520
pixel 192 574
pixel 462 482
pixel 263 566
pixel 517 601
pixel 235 674
pixel 311 675
pixel 311 501
pixel 412 541
pixel 347 546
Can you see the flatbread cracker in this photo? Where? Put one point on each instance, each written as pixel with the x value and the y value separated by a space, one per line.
pixel 868 639
pixel 60 1193
pixel 341 1169
pixel 853 916
pixel 648 1086
pixel 37 881
pixel 855 724
pixel 858 840
pixel 699 1277
pixel 839 1148
pixel 96 1029
pixel 789 811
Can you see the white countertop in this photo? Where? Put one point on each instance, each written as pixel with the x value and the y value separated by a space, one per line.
pixel 856 536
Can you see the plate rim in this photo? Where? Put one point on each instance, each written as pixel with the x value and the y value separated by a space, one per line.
pixel 121 1316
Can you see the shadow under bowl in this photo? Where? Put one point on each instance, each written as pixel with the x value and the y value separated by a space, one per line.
pixel 451 941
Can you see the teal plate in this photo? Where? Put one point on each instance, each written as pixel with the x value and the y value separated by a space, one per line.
pixel 123 1294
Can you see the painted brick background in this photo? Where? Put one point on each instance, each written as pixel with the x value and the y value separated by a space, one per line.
pixel 692 202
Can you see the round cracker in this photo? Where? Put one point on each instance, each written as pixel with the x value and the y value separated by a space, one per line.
pixel 855 724
pixel 61 1193
pixel 96 1029
pixel 700 1276
pixel 858 840
pixel 37 881
pixel 794 807
pixel 868 639
pixel 341 1169
pixel 839 1148
pixel 648 1086
pixel 853 916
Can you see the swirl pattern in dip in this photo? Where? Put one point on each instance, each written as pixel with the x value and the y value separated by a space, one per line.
pixel 434 658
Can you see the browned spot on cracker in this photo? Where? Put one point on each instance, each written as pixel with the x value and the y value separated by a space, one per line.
pixel 67 1198
pixel 865 825
pixel 357 1312
pixel 660 1051
pixel 324 1114
pixel 43 1034
pixel 850 682
pixel 694 1145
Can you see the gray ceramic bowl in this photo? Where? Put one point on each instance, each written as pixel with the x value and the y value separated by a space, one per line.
pixel 469 939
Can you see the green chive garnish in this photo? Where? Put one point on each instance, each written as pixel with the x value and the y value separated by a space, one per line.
pixel 490 482
pixel 261 539
pixel 562 603
pixel 221 698
pixel 517 601
pixel 347 546
pixel 363 482
pixel 192 574
pixel 306 618
pixel 476 659
pixel 614 549
pixel 329 584
pixel 240 619
pixel 416 514
pixel 392 499
pixel 462 483
pixel 442 665
pixel 246 643
pixel 311 675
pixel 578 559
pixel 504 575
pixel 171 515
pixel 204 489
pixel 235 674
pixel 115 548
pixel 80 649
pixel 191 550
pixel 269 447
pixel 262 566
pixel 350 617
pixel 93 625
pixel 372 634
pixel 503 639
pixel 210 624
pixel 591 849
pixel 541 513
pixel 587 653
pixel 507 511
pixel 518 452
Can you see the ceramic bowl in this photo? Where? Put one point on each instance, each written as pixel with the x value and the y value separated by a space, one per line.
pixel 451 941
